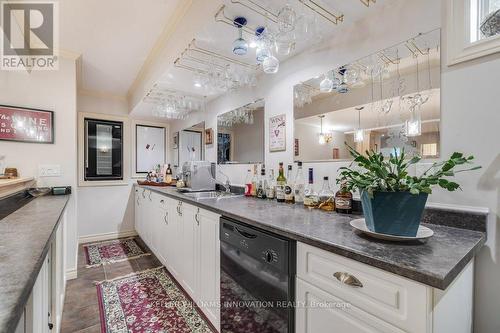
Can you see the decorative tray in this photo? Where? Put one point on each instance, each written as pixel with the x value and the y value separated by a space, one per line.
pixel 148 183
pixel 422 233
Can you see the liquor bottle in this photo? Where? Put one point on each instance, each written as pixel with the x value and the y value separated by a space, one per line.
pixel 168 175
pixel 255 181
pixel 289 195
pixel 280 184
pixel 261 190
pixel 326 196
pixel 248 184
pixel 343 199
pixel 299 185
pixel 311 199
pixel 270 189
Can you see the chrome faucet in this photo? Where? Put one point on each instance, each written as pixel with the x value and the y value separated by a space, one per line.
pixel 227 184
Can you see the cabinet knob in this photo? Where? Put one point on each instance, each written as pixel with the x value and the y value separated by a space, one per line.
pixel 162 201
pixel 348 279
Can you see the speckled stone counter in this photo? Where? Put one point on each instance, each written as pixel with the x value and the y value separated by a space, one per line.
pixel 435 262
pixel 25 237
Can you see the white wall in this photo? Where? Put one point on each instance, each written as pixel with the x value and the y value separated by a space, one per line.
pixel 55 91
pixel 107 210
pixel 470 121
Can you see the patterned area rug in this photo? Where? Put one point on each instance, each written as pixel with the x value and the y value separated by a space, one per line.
pixel 112 251
pixel 147 301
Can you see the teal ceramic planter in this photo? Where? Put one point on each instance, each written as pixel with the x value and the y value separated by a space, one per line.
pixel 393 213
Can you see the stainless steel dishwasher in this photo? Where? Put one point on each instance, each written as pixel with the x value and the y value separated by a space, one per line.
pixel 257 280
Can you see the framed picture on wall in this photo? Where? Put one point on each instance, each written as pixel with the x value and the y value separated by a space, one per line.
pixel 209 136
pixel 277 133
pixel 149 147
pixel 26 124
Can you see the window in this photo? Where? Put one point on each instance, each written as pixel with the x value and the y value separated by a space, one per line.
pixel 484 19
pixel 429 149
pixel 473 28
pixel 103 150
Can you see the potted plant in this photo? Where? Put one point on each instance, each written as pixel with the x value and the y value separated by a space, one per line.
pixel 393 201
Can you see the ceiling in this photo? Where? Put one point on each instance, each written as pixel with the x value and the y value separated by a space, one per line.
pixel 114 38
pixel 219 37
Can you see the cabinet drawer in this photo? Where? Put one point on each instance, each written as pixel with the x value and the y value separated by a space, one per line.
pixel 321 312
pixel 397 300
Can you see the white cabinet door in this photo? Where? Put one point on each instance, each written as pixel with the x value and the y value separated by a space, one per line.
pixel 172 241
pixel 188 249
pixel 208 264
pixel 321 312
pixel 148 216
pixel 140 201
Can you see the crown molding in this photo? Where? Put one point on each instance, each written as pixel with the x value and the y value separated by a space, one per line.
pixel 102 94
pixel 176 17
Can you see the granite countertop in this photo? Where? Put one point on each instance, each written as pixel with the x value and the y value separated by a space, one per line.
pixel 25 237
pixel 435 263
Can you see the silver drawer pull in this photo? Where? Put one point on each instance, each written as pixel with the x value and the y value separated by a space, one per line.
pixel 348 279
pixel 165 218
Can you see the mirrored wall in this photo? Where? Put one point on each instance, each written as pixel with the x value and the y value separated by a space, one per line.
pixel 389 99
pixel 240 135
pixel 191 145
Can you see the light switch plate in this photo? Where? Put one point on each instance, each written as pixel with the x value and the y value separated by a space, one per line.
pixel 49 170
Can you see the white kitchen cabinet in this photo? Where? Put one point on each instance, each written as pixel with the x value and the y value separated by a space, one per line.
pixel 188 249
pixel 185 239
pixel 333 291
pixel 208 264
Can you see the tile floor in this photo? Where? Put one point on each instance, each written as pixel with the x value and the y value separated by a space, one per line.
pixel 81 310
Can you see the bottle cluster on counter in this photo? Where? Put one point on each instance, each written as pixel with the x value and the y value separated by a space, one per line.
pixel 294 190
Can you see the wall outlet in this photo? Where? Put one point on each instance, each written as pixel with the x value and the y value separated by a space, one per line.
pixel 49 170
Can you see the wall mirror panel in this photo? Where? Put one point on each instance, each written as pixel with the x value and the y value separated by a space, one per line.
pixel 240 135
pixel 191 145
pixel 389 99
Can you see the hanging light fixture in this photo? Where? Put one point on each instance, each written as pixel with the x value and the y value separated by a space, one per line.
pixel 240 46
pixel 359 134
pixel 413 125
pixel 323 138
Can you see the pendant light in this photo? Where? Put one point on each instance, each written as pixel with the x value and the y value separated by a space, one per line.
pixel 359 134
pixel 322 137
pixel 240 46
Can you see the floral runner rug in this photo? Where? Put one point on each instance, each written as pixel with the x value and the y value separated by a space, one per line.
pixel 147 301
pixel 111 251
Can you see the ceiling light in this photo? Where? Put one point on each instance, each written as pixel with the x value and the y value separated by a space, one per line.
pixel 240 46
pixel 323 138
pixel 413 126
pixel 359 134
pixel 252 44
pixel 197 84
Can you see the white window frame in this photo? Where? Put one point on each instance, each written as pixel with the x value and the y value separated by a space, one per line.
pixel 460 48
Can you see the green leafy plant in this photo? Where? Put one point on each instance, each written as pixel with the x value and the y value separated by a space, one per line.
pixel 375 173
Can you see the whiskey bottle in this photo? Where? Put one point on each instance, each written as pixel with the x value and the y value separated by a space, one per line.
pixel 255 181
pixel 326 197
pixel 280 184
pixel 343 199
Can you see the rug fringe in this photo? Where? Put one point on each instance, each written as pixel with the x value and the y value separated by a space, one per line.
pixel 129 275
pixel 113 261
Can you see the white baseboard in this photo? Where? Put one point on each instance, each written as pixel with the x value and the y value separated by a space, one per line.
pixel 106 236
pixel 71 274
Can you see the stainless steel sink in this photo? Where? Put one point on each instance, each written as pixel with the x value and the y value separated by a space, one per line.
pixel 211 195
